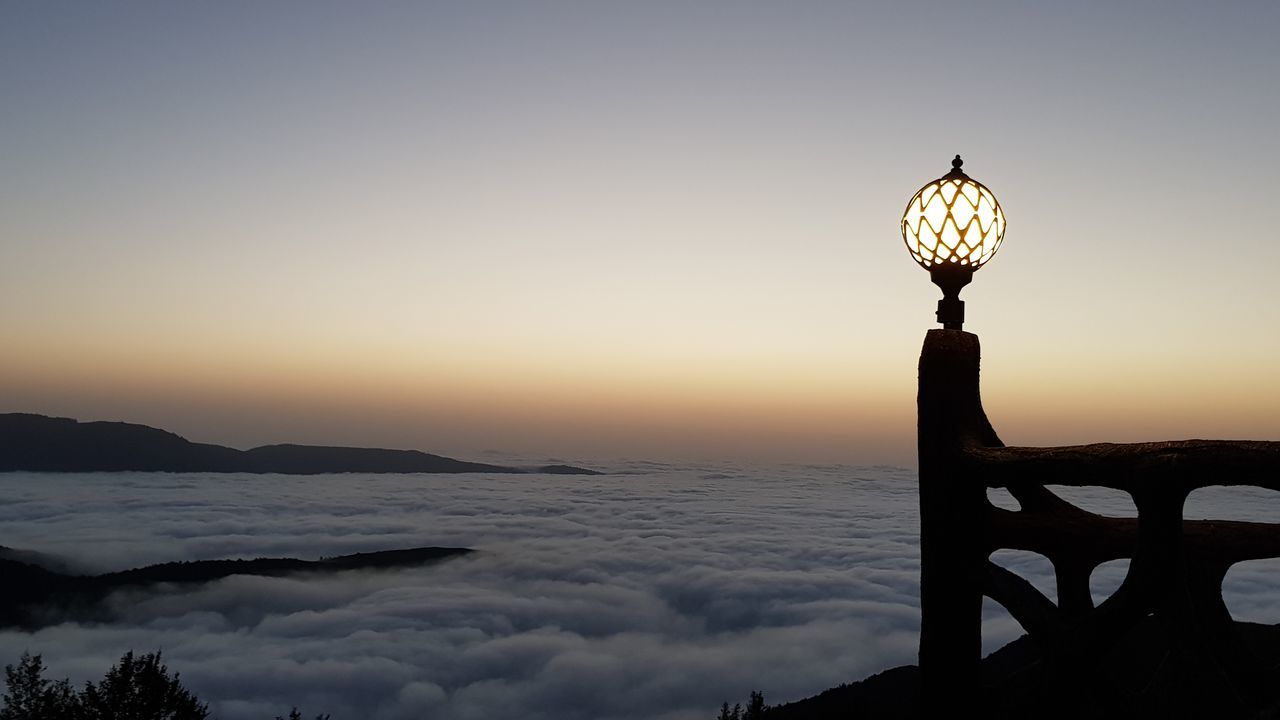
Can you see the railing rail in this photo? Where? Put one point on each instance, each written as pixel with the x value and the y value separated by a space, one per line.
pixel 1176 566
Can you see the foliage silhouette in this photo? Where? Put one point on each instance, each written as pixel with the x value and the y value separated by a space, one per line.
pixel 140 687
pixel 295 715
pixel 137 687
pixel 755 709
pixel 31 696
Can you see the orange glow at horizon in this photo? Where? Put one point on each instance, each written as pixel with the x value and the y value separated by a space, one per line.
pixel 589 406
pixel 792 408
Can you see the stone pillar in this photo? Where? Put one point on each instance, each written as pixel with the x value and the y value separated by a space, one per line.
pixel 952 523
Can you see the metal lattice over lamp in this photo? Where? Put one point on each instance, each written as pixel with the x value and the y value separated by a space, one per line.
pixel 952 227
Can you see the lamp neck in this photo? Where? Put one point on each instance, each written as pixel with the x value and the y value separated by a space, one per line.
pixel 952 278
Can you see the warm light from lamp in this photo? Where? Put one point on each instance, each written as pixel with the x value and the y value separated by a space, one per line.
pixel 954 219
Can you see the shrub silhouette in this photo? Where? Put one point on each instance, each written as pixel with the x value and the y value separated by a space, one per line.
pixel 138 688
pixel 295 715
pixel 135 688
pixel 755 709
pixel 31 696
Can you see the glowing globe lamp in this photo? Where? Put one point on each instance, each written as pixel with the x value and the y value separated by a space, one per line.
pixel 952 227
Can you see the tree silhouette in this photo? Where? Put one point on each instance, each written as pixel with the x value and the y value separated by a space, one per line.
pixel 295 715
pixel 755 709
pixel 727 714
pixel 136 688
pixel 31 696
pixel 141 689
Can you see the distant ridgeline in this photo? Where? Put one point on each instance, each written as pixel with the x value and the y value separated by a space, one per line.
pixel 37 443
pixel 36 596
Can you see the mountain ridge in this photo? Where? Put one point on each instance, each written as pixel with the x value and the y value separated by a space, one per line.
pixel 38 596
pixel 40 443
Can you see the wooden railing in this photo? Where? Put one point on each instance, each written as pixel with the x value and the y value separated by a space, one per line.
pixel 1173 588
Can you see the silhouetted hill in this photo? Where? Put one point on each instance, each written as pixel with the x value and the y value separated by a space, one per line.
pixel 1144 676
pixel 39 559
pixel 35 597
pixel 38 443
pixel 313 459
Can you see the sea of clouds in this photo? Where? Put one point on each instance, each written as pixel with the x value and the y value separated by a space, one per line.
pixel 655 591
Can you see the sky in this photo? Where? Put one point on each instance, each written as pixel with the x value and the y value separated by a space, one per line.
pixel 633 230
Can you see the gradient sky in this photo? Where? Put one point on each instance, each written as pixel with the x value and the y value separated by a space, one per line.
pixel 646 229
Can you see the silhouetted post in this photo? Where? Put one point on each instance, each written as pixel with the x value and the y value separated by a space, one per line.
pixel 1201 664
pixel 952 522
pixel 952 226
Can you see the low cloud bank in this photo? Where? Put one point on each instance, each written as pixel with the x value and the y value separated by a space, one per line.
pixel 656 592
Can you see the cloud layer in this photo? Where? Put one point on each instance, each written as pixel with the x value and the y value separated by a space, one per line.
pixel 655 592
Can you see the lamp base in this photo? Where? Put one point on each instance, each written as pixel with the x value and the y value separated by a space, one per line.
pixel 951 313
pixel 952 278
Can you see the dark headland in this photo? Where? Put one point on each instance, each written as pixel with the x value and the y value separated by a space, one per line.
pixel 1143 676
pixel 36 596
pixel 37 443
